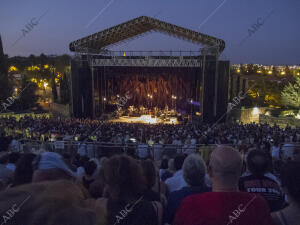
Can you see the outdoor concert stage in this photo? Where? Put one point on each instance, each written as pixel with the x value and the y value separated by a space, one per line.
pixel 146 119
pixel 193 83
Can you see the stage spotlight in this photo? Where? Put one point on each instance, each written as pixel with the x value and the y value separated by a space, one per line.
pixel 118 96
pixel 191 101
pixel 104 99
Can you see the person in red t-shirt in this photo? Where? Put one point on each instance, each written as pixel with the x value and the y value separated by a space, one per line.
pixel 225 205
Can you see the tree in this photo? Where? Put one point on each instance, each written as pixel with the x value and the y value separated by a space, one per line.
pixel 275 71
pixel 26 98
pixel 53 86
pixel 287 70
pixel 5 89
pixel 290 95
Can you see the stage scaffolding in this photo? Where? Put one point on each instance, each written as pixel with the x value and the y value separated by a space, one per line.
pixel 91 53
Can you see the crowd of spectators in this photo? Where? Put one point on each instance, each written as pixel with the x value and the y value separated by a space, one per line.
pixel 50 188
pixel 186 136
pixel 245 183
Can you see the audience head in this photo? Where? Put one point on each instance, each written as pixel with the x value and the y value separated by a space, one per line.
pixel 123 177
pixel 13 157
pixel 50 166
pixel 290 180
pixel 149 172
pixel 90 167
pixel 257 162
pixel 178 162
pixel 164 164
pixel 58 202
pixel 24 171
pixel 194 170
pixel 225 166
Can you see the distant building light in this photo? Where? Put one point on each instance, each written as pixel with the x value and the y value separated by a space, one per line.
pixel 255 111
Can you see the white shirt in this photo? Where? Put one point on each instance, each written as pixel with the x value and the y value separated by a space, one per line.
pixel 176 182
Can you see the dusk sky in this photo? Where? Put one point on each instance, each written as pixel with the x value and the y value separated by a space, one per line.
pixel 276 41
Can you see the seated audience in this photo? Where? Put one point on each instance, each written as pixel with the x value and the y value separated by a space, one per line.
pixel 225 204
pixel 176 182
pixel 48 203
pixel 194 170
pixel 290 182
pixel 257 181
pixel 125 186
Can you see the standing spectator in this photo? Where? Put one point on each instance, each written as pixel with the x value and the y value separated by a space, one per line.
pixel 225 205
pixel 194 170
pixel 176 182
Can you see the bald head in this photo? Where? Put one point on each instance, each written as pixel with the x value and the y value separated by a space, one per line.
pixel 226 163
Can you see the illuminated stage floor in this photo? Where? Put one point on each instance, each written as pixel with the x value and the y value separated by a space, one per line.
pixel 147 119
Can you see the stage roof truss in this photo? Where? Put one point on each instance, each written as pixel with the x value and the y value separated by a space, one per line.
pixel 138 27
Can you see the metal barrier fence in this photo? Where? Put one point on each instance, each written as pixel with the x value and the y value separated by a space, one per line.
pixel 156 151
pixel 94 149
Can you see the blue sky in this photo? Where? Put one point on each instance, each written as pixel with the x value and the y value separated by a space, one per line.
pixel 275 42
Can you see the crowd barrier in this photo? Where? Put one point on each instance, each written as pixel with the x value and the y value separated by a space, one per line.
pixel 156 151
pixel 95 149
